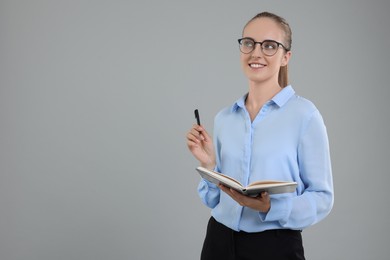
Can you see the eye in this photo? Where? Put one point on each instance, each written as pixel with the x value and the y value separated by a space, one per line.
pixel 267 45
pixel 247 43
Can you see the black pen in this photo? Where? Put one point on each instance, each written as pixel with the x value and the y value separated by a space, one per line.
pixel 197 116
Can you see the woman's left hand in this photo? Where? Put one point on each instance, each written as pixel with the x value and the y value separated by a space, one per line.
pixel 261 203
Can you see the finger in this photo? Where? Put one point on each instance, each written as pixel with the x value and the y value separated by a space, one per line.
pixel 191 144
pixel 201 131
pixel 241 199
pixel 232 193
pixel 226 190
pixel 198 131
pixel 194 136
pixel 222 187
pixel 264 195
pixel 239 196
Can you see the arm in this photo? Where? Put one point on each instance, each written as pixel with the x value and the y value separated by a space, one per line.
pixel 201 146
pixel 316 199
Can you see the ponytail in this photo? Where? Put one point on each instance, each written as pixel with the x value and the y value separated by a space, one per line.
pixel 283 76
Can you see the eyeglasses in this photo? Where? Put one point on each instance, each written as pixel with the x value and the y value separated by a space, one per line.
pixel 268 47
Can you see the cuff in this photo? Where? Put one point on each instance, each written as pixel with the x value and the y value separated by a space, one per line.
pixel 279 211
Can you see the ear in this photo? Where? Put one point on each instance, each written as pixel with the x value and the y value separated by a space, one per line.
pixel 285 59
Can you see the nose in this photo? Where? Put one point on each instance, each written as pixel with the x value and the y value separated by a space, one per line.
pixel 257 52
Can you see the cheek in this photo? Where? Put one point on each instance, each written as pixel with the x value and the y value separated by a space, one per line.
pixel 243 60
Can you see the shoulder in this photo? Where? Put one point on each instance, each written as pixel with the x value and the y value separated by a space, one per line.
pixel 300 112
pixel 306 112
pixel 223 115
pixel 291 104
pixel 302 103
pixel 230 112
pixel 301 107
pixel 224 112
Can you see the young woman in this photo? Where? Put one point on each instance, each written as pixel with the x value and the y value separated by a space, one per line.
pixel 269 133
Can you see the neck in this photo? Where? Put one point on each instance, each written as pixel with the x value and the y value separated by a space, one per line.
pixel 259 94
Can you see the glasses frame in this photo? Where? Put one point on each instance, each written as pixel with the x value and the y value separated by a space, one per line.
pixel 261 45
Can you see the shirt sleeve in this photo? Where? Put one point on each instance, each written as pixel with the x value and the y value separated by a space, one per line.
pixel 208 193
pixel 316 200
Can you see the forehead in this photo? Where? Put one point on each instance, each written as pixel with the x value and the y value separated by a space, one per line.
pixel 262 29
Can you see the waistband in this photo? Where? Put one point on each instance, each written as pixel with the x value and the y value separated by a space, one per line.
pixel 269 231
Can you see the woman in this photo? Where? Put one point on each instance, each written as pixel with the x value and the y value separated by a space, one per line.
pixel 269 133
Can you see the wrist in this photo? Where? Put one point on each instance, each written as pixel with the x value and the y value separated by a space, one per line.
pixel 266 208
pixel 209 166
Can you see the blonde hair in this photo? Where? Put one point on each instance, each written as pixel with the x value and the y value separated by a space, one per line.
pixel 283 71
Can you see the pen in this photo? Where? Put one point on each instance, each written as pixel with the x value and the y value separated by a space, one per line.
pixel 197 116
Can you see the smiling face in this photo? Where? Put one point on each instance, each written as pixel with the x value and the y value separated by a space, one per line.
pixel 258 67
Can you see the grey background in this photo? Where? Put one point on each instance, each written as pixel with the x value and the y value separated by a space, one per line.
pixel 96 98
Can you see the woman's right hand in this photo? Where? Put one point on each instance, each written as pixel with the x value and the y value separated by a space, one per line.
pixel 201 146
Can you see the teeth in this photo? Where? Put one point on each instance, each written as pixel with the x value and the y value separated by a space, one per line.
pixel 256 65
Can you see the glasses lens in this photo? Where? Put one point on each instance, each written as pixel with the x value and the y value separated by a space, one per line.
pixel 247 45
pixel 269 47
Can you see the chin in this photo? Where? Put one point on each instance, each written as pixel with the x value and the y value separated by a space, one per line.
pixel 256 79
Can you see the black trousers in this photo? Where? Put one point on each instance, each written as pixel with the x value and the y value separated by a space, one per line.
pixel 223 243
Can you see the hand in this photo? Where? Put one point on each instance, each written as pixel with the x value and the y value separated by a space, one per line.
pixel 261 203
pixel 201 146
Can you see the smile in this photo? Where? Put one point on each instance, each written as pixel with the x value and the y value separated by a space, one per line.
pixel 256 65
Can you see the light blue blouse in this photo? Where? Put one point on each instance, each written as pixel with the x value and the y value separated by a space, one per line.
pixel 286 141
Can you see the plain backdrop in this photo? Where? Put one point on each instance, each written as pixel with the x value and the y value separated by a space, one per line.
pixel 96 98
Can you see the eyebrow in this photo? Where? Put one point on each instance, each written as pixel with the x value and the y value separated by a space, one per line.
pixel 261 41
